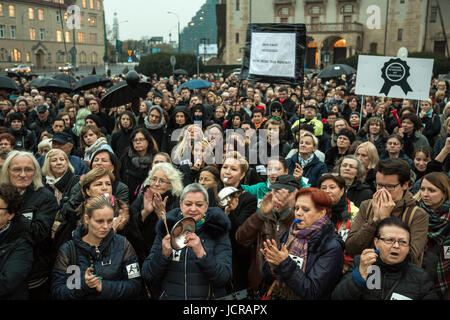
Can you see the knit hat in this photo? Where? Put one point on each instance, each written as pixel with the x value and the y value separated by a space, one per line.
pixel 348 134
pixel 16 116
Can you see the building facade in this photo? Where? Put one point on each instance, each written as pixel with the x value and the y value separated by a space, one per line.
pixel 340 28
pixel 202 29
pixel 37 33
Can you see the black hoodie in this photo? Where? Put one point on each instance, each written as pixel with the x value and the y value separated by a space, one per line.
pixel 172 125
pixel 120 140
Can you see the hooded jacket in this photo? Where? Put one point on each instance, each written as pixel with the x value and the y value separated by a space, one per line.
pixel 324 265
pixel 158 131
pixel 114 260
pixel 172 138
pixel 312 171
pixel 363 227
pixel 16 260
pixel 183 276
pixel 257 229
pixel 358 192
pixel 414 283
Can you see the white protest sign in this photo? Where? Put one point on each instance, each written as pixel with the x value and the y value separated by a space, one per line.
pixel 273 54
pixel 404 78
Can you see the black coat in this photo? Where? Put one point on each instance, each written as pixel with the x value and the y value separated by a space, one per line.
pixel 40 207
pixel 190 278
pixel 358 192
pixel 332 156
pixel 324 264
pixel 64 185
pixel 414 283
pixel 120 141
pixel 25 139
pixel 16 261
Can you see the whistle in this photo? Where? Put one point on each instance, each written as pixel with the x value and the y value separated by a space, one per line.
pixel 297 221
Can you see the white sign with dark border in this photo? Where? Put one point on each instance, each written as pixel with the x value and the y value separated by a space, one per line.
pixel 394 77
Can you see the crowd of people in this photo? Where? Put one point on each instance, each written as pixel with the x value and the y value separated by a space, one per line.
pixel 335 195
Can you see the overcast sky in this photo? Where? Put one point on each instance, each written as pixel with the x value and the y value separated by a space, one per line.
pixel 149 17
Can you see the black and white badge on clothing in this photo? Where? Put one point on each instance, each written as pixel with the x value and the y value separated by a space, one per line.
pixel 133 270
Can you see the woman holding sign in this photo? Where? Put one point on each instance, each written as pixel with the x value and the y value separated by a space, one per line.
pixel 394 277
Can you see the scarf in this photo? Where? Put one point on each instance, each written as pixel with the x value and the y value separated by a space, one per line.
pixel 142 163
pixel 51 181
pixel 438 234
pixel 304 163
pixel 89 151
pixel 339 209
pixel 297 242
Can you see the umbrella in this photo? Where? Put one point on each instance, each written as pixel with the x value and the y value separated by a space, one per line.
pixel 90 81
pixel 180 72
pixel 447 77
pixel 8 84
pixel 38 81
pixel 65 77
pixel 54 85
pixel 336 70
pixel 195 84
pixel 126 91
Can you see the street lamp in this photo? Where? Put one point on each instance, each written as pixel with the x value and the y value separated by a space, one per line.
pixel 179 40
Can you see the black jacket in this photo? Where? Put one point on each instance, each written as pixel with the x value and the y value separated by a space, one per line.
pixel 114 260
pixel 324 264
pixel 120 140
pixel 64 185
pixel 414 283
pixel 131 175
pixel 358 192
pixel 16 260
pixel 190 278
pixel 40 207
pixel 25 139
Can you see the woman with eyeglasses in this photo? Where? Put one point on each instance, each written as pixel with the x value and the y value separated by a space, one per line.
pixel 16 258
pixel 395 277
pixel 39 206
pixel 160 194
pixel 434 198
pixel 137 161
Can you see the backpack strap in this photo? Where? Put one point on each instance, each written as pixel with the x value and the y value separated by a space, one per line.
pixel 369 211
pixel 409 212
pixel 73 252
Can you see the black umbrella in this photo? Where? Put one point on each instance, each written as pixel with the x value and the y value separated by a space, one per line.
pixel 336 70
pixel 54 85
pixel 65 77
pixel 125 92
pixel 8 84
pixel 38 82
pixel 90 81
pixel 180 72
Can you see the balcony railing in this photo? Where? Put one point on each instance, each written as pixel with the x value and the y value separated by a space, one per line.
pixel 335 27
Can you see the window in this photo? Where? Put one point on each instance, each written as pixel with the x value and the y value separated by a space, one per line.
pixel 83 3
pixel 41 34
pixel 13 32
pixel 347 8
pixel 347 19
pixel 92 21
pixel 31 13
pixel 94 58
pixel 373 47
pixel 1 9
pixel 2 31
pixel 315 10
pixel 93 38
pixel 49 58
pixel 58 17
pixel 16 55
pixel 67 36
pixel 283 11
pixel 32 34
pixel 284 20
pixel 82 19
pixel 28 57
pixel 41 14
pixel 60 56
pixel 237 37
pixel 314 20
pixel 402 1
pixel 238 5
pixel 3 54
pixel 12 11
pixel 91 4
pixel 83 57
pixel 99 5
pixel 59 37
pixel 433 14
pixel 81 37
pixel 66 16
pixel 400 35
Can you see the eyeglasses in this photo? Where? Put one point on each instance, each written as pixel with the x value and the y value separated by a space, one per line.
pixel 18 171
pixel 391 241
pixel 6 209
pixel 159 181
pixel 139 140
pixel 276 110
pixel 393 143
pixel 389 187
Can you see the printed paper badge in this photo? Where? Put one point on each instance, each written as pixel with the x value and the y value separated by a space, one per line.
pixel 395 72
pixel 133 271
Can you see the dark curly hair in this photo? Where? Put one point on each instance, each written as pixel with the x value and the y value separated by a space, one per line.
pixel 11 196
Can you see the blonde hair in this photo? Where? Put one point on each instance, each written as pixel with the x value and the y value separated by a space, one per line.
pixel 236 155
pixel 172 173
pixel 46 171
pixel 372 152
pixel 37 177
